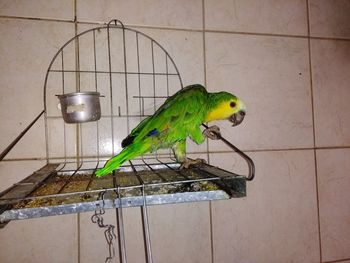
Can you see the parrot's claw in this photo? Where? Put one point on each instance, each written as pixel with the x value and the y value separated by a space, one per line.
pixel 213 132
pixel 188 162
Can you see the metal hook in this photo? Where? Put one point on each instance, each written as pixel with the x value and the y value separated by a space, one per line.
pixel 115 21
pixel 109 232
pixel 249 161
pixel 101 196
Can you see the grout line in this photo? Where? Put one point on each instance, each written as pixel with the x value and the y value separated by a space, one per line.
pixel 218 31
pixel 314 131
pixel 205 64
pixel 330 38
pixel 337 260
pixel 78 128
pixel 207 140
pixel 211 230
pixel 37 19
pixel 199 152
pixel 179 28
pixel 275 35
pixel 254 33
pixel 77 65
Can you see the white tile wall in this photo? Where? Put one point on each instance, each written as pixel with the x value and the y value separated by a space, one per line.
pixel 333 168
pixel 329 18
pixel 330 70
pixel 181 233
pixel 50 9
pixel 274 17
pixel 51 239
pixel 14 171
pixel 179 14
pixel 271 76
pixel 26 51
pixel 278 220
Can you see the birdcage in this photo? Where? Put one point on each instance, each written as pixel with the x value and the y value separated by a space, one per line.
pixel 99 85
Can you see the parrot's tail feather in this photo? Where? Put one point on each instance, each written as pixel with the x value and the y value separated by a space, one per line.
pixel 116 161
pixel 128 140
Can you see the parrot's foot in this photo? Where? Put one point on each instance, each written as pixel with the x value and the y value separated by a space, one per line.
pixel 213 132
pixel 188 162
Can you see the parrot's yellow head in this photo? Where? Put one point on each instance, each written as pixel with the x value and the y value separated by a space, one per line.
pixel 224 105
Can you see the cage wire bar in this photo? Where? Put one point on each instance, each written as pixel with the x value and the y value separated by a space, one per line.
pixel 118 62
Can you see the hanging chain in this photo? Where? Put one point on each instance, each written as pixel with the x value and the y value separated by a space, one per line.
pixel 97 217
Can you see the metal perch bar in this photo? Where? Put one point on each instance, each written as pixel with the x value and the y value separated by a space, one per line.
pixel 19 137
pixel 145 223
pixel 249 161
pixel 120 223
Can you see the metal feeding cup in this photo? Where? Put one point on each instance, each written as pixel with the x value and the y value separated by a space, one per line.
pixel 80 107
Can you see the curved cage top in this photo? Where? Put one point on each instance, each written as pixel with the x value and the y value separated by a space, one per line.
pixel 132 71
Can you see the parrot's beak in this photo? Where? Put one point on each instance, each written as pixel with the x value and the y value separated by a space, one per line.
pixel 237 118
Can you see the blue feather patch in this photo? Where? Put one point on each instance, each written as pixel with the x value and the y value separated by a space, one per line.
pixel 153 132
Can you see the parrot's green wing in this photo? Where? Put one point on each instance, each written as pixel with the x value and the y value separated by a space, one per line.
pixel 178 118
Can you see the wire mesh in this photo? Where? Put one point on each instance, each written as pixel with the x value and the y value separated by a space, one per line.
pixel 73 182
pixel 133 72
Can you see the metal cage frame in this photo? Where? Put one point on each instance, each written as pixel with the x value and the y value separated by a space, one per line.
pixel 111 26
pixel 148 180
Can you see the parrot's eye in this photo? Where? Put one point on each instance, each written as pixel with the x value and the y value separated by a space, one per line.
pixel 233 104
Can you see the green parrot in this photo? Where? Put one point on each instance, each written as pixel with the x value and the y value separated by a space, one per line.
pixel 179 117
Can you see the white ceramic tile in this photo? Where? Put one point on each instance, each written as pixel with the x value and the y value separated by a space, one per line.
pixel 50 239
pixel 32 144
pixel 277 17
pixel 330 73
pixel 153 13
pixel 12 172
pixel 185 48
pixel 26 50
pixel 180 233
pixel 277 221
pixel 333 168
pixel 61 138
pixel 91 133
pixel 171 228
pixel 39 9
pixel 329 18
pixel 271 76
pixel 134 237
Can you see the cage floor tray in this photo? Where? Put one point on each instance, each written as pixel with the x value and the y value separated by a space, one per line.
pixel 56 189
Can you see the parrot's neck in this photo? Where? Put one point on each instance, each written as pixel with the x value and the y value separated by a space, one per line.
pixel 218 109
